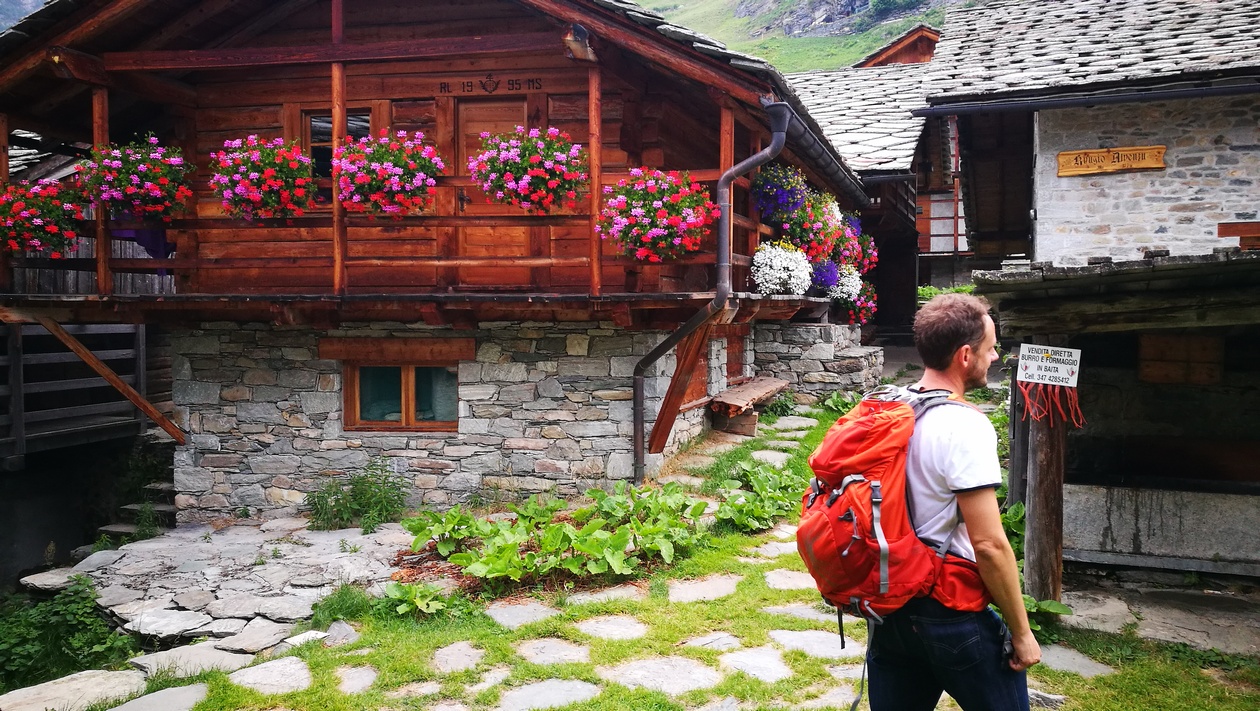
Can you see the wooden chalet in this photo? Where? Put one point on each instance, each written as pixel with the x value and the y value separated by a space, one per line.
pixel 1135 177
pixel 476 345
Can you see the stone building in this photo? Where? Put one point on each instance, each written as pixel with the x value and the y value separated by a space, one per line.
pixel 1123 139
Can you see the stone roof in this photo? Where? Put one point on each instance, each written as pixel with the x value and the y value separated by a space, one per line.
pixel 865 113
pixel 1035 48
pixel 1041 280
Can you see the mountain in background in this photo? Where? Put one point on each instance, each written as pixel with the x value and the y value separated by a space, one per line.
pixel 802 35
pixel 13 10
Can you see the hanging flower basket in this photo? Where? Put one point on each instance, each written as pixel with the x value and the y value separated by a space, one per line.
pixel 815 227
pixel 257 178
pixel 144 180
pixel 825 275
pixel 656 216
pixel 854 296
pixel 779 191
pixel 39 219
pixel 533 169
pixel 779 268
pixel 387 175
pixel 856 248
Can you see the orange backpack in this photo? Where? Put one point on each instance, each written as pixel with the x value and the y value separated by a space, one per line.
pixel 856 535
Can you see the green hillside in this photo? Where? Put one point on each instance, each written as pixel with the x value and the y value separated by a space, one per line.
pixel 716 18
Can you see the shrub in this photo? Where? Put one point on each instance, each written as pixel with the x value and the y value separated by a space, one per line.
pixel 784 404
pixel 40 641
pixel 371 497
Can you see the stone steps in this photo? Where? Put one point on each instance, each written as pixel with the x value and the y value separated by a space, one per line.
pixel 123 529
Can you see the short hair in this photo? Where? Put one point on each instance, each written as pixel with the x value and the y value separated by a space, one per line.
pixel 945 324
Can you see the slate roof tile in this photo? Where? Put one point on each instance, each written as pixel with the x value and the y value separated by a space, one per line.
pixel 1024 46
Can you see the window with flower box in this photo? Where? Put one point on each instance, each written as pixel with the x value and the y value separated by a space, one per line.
pixel 317 139
pixel 400 383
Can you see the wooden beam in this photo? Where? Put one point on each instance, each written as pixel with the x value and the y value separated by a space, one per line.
pixel 100 138
pixel 194 17
pixel 224 58
pixel 17 392
pixel 103 18
pixel 1131 311
pixel 656 48
pixel 1238 229
pixel 6 259
pixel 264 21
pixel 112 378
pixel 688 355
pixel 79 66
pixel 595 118
pixel 1043 544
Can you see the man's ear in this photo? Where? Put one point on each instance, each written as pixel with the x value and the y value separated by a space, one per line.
pixel 963 356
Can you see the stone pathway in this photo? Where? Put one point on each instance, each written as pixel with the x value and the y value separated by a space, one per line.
pixel 714 587
pixel 548 694
pixel 513 615
pixel 75 692
pixel 553 651
pixel 281 676
pixel 762 663
pixel 669 675
pixel 457 657
pixel 1202 619
pixel 627 591
pixel 613 627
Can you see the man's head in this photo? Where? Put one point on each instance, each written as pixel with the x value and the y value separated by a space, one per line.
pixel 954 334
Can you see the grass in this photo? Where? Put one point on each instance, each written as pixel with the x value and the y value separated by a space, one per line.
pixel 1150 676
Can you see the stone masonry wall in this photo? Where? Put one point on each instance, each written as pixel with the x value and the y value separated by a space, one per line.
pixel 1213 176
pixel 816 359
pixel 543 407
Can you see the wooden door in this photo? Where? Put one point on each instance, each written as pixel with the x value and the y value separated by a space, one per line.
pixel 474 117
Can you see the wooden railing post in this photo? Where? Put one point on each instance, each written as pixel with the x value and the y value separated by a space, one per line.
pixel 6 259
pixel 338 139
pixel 100 137
pixel 595 149
pixel 17 391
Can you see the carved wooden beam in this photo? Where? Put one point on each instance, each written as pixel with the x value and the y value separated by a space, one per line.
pixel 79 66
pixel 83 28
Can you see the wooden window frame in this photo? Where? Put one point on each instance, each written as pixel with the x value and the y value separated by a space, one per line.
pixel 404 353
pixel 297 127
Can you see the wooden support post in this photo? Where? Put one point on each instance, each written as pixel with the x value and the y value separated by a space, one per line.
pixel 1017 479
pixel 338 139
pixel 688 355
pixel 1043 542
pixel 111 377
pixel 141 367
pixel 17 391
pixel 595 147
pixel 446 203
pixel 6 259
pixel 100 137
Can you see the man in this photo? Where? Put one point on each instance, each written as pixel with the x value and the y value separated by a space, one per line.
pixel 952 472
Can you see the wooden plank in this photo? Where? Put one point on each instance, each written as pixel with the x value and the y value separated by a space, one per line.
pixel 338 138
pixel 1043 545
pixel 51 386
pixel 6 259
pixel 1132 312
pixel 738 400
pixel 198 14
pixel 262 22
pixel 17 394
pixel 79 66
pixel 404 351
pixel 100 138
pixel 466 262
pixel 201 59
pixel 104 371
pixel 689 352
pixel 1238 229
pixel 77 29
pixel 595 112
pixel 63 413
pixel 45 358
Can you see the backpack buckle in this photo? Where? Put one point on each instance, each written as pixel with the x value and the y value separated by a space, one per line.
pixel 815 492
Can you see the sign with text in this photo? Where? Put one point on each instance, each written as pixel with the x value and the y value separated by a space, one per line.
pixel 1111 160
pixel 1049 366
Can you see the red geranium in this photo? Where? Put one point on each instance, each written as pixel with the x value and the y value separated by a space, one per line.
pixel 144 179
pixel 257 178
pixel 39 218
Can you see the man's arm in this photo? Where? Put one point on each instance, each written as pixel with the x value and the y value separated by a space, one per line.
pixel 996 560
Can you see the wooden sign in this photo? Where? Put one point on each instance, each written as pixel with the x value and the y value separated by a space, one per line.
pixel 1111 160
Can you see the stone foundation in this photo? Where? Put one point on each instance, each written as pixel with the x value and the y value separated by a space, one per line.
pixel 816 359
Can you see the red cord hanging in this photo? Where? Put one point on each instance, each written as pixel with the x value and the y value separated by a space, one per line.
pixel 1055 402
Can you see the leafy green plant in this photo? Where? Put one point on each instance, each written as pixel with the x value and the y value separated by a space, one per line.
pixel 927 293
pixel 783 405
pixel 415 599
pixel 841 401
pixel 45 640
pixel 103 543
pixel 370 497
pixel 347 602
pixel 146 522
pixel 769 495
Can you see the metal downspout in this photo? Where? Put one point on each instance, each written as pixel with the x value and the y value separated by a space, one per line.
pixel 781 115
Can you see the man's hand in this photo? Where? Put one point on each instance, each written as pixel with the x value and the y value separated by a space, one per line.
pixel 1027 652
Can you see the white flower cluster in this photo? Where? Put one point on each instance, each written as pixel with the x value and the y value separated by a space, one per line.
pixel 848 286
pixel 780 270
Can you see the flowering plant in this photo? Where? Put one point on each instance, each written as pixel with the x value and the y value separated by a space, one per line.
pixel 816 226
pixel 145 179
pixel 779 268
pixel 38 219
pixel 779 190
pixel 258 178
pixel 535 170
pixel 392 175
pixel 856 248
pixel 826 274
pixel 861 306
pixel 656 215
pixel 848 285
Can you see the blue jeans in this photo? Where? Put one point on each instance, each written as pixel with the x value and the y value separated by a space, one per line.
pixel 926 648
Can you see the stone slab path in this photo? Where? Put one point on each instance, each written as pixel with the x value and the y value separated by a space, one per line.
pixel 782 579
pixel 355 680
pixel 669 675
pixel 613 627
pixel 819 644
pixel 772 457
pixel 1201 619
pixel 763 663
pixel 713 587
pixel 1066 659
pixel 75 692
pixel 191 660
pixel 617 592
pixel 457 657
pixel 282 676
pixel 180 698
pixel 548 694
pixel 513 615
pixel 553 651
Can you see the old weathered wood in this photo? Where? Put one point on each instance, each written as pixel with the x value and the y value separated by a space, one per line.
pixel 741 399
pixel 274 14
pixel 743 424
pixel 338 210
pixel 1111 160
pixel 1043 542
pixel 100 138
pixel 76 31
pixel 399 351
pixel 689 352
pixel 595 112
pixel 79 66
pixel 6 259
pixel 1133 312
pixel 17 392
pixel 202 59
pixel 1238 229
pixel 194 17
pixel 1017 485
pixel 478 262
pixel 112 378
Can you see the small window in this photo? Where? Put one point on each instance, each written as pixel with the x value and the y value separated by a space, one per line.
pixel 319 145
pixel 402 397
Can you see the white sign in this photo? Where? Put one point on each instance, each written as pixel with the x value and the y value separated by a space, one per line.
pixel 1051 366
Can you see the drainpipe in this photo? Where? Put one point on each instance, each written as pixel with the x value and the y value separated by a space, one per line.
pixel 781 115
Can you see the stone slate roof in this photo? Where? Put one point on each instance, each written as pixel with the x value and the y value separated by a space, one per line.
pixel 1044 280
pixel 1036 47
pixel 865 113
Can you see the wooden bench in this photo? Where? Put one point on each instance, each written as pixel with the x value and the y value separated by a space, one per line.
pixel 734 409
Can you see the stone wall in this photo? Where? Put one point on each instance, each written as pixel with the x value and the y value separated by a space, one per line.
pixel 816 358
pixel 1213 176
pixel 543 407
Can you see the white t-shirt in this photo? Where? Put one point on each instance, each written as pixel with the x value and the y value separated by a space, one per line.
pixel 953 449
